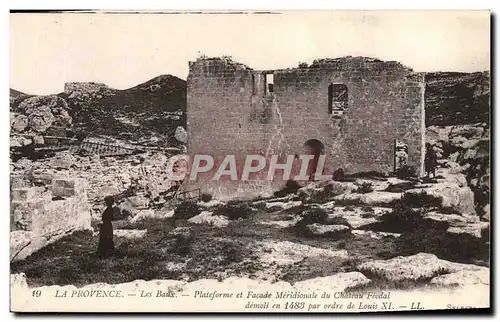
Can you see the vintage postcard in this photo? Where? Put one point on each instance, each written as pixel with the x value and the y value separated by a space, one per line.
pixel 288 161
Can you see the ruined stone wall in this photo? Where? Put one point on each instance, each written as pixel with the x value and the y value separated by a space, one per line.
pixel 41 215
pixel 230 111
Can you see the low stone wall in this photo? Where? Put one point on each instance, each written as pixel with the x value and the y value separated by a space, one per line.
pixel 41 215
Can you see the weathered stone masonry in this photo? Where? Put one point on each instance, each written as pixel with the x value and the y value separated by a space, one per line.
pixel 232 110
pixel 44 210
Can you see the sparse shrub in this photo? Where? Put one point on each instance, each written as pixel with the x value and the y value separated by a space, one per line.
pixel 324 195
pixel 420 200
pixel 460 248
pixel 401 219
pixel 291 186
pixel 234 210
pixel 312 216
pixel 231 253
pixel 406 173
pixel 338 220
pixel 367 209
pixel 182 244
pixel 365 187
pixel 309 217
pixel 259 205
pixel 183 240
pixel 186 210
pixel 367 215
pixel 206 197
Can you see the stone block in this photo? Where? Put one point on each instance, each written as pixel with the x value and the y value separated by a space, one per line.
pixel 69 187
pixel 23 194
pixel 24 243
pixel 23 212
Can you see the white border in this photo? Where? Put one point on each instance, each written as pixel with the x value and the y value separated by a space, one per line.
pixel 190 5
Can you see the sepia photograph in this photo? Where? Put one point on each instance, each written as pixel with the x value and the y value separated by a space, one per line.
pixel 250 161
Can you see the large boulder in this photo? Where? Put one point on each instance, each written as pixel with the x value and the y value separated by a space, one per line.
pixel 473 229
pixel 41 119
pixel 333 231
pixel 372 198
pixel 464 278
pixel 52 102
pixel 460 199
pixel 380 197
pixel 19 123
pixel 467 131
pixel 207 218
pixel 146 214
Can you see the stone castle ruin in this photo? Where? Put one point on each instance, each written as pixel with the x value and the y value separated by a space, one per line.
pixel 363 114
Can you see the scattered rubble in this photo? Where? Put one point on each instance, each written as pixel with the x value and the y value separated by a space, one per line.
pixel 286 252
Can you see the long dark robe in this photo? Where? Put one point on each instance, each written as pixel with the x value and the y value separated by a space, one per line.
pixel 106 244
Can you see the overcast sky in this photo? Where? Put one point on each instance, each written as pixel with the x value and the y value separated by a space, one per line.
pixel 123 50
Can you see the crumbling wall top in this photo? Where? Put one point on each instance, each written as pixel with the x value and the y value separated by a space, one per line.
pixel 346 63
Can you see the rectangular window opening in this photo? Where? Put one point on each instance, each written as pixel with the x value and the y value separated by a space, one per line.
pixel 337 99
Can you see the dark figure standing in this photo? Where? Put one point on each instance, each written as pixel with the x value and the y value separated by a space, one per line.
pixel 430 160
pixel 106 244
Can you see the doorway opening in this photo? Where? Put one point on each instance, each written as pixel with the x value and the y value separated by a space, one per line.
pixel 316 148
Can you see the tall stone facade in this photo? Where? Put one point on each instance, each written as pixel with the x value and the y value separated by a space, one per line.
pixel 358 111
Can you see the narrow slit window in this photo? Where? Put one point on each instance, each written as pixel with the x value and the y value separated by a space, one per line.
pixel 253 84
pixel 269 83
pixel 337 98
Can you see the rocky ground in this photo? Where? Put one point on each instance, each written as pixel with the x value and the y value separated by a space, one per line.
pixel 383 233
pixel 148 113
pixel 395 233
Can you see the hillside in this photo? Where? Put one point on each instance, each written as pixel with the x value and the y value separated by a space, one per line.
pixel 457 98
pixel 152 109
pixel 14 93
